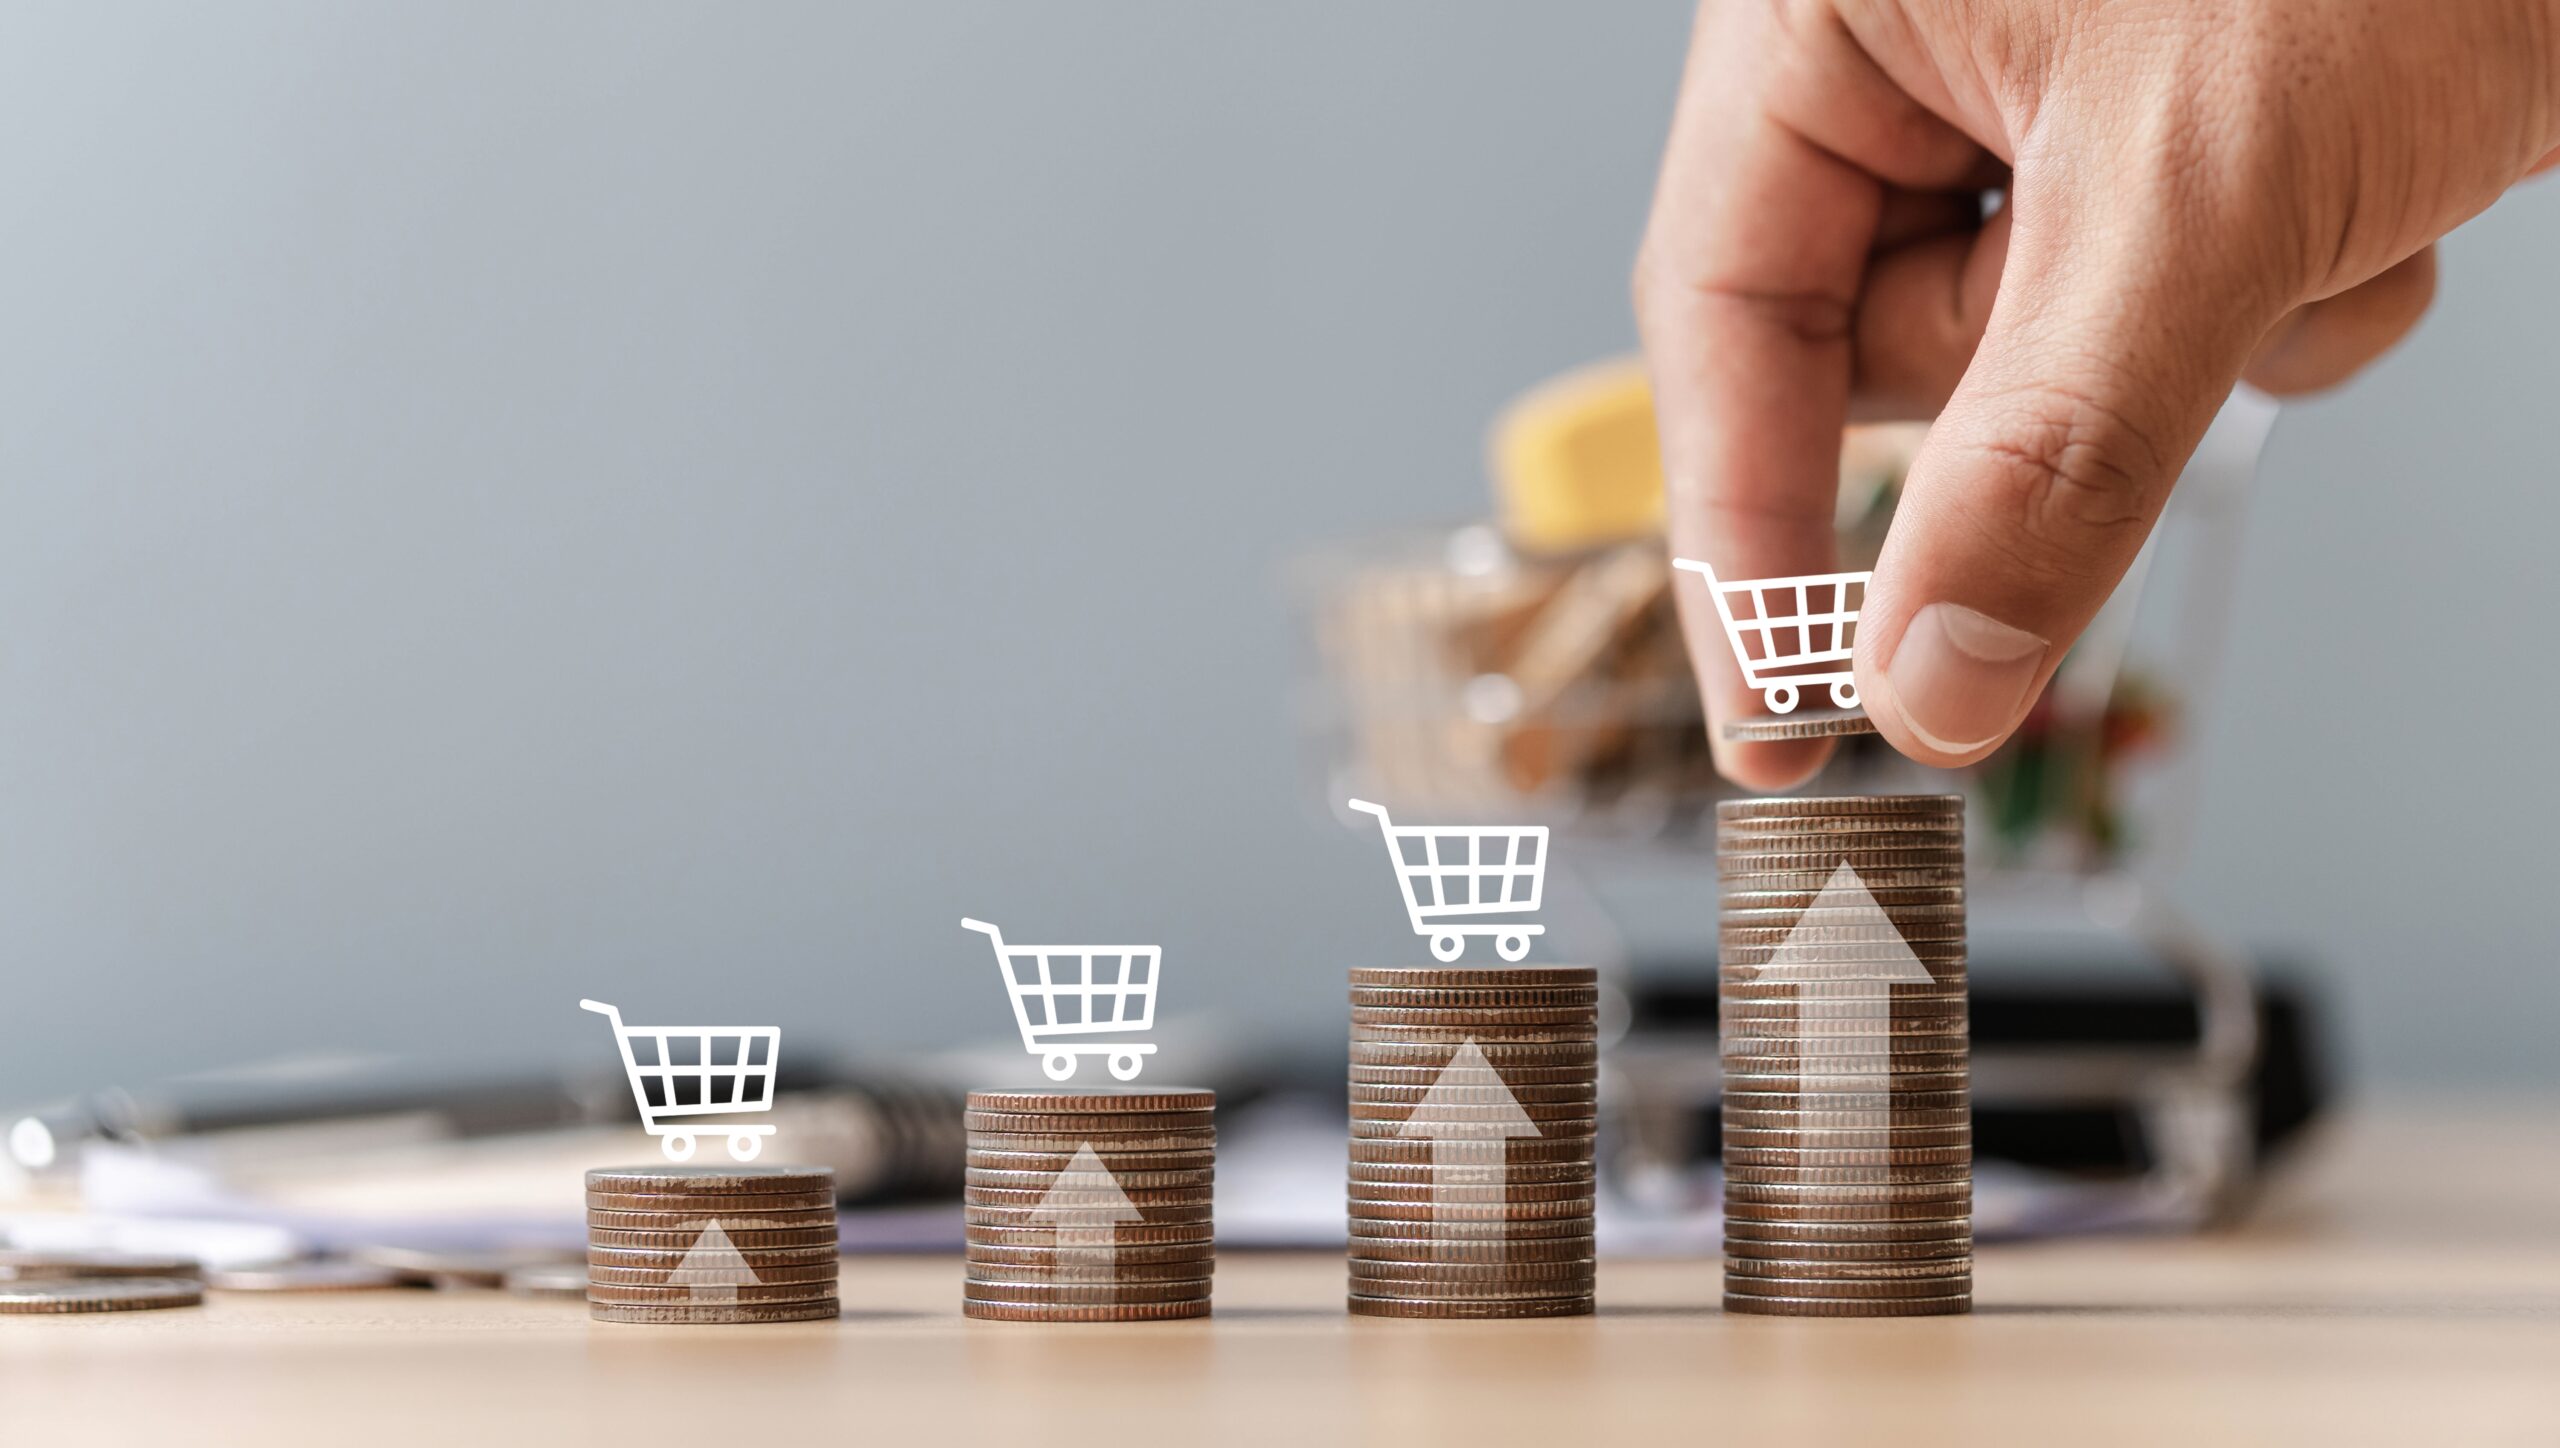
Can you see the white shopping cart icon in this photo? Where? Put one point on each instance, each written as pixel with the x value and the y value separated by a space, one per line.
pixel 1823 629
pixel 698 1071
pixel 1061 992
pixel 1498 871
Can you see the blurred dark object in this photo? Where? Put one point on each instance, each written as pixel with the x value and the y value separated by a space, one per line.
pixel 2087 1076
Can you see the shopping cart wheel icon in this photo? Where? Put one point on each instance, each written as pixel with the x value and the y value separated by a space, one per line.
pixel 742 1145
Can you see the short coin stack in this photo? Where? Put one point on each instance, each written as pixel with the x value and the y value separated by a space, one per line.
pixel 1090 1206
pixel 711 1244
pixel 1474 1105
pixel 1848 1139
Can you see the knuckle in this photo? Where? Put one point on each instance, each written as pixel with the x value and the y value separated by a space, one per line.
pixel 2076 479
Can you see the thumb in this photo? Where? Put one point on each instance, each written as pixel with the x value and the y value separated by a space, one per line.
pixel 2108 351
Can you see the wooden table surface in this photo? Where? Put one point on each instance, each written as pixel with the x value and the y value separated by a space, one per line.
pixel 2401 1285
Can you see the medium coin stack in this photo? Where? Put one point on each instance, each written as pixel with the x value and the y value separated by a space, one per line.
pixel 711 1244
pixel 1848 1137
pixel 1474 1105
pixel 1089 1206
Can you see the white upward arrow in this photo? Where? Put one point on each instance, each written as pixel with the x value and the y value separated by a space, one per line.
pixel 712 1268
pixel 1863 1049
pixel 1085 1207
pixel 1470 1150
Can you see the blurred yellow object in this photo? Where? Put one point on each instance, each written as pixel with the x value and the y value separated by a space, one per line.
pixel 1575 465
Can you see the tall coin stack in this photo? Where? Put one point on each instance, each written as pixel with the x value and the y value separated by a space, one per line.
pixel 711 1244
pixel 1474 1104
pixel 1089 1206
pixel 1848 1138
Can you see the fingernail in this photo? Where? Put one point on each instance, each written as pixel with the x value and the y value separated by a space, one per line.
pixel 1961 676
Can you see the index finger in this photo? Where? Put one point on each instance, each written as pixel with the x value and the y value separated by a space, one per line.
pixel 1746 294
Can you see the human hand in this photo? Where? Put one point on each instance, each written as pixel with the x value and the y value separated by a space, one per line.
pixel 2196 193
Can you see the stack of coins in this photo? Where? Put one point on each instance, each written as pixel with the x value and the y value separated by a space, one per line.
pixel 711 1244
pixel 1089 1206
pixel 1474 1104
pixel 1848 1139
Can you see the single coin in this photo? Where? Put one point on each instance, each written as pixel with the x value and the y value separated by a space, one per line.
pixel 1474 998
pixel 1093 1124
pixel 1870 1008
pixel 1109 1148
pixel 1457 1233
pixel 1846 1234
pixel 1189 1179
pixel 1874 1065
pixel 1751 1050
pixel 1579 1093
pixel 976 1215
pixel 1833 1307
pixel 666 1258
pixel 1924 922
pixel 27 1264
pixel 1809 884
pixel 1858 1289
pixel 1814 832
pixel 1428 976
pixel 1504 1057
pixel 1876 1174
pixel 1483 1037
pixel 1452 1194
pixel 1364 1306
pixel 823 1237
pixel 1142 1100
pixel 1881 938
pixel 1518 1078
pixel 1454 1174
pixel 1847 1139
pixel 691 1179
pixel 1933 1210
pixel 1079 1294
pixel 1745 1083
pixel 1445 1111
pixel 1803 724
pixel 1044 1233
pixel 1832 1194
pixel 1850 1254
pixel 1740 1157
pixel 454 1269
pixel 97 1294
pixel 810 1272
pixel 1366 1016
pixel 1518 1151
pixel 1792 806
pixel 1831 963
pixel 1073 1193
pixel 1065 1312
pixel 556 1280
pixel 823 1218
pixel 1050 1162
pixel 1743 907
pixel 1440 1211
pixel 1810 1035
pixel 314 1276
pixel 1068 1269
pixel 701 1314
pixel 1478 1251
pixel 711 1295
pixel 1867 1100
pixel 1412 1289
pixel 1575 1271
pixel 1361 1130
pixel 711 1204
pixel 1741 1118
pixel 1196 1256
pixel 1933 1269
pixel 1824 860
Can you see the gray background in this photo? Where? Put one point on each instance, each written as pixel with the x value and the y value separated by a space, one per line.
pixel 680 503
